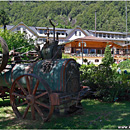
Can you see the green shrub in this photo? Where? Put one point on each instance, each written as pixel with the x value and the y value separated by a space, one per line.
pixel 104 80
pixel 107 60
pixel 106 83
pixel 124 64
pixel 17 40
pixel 114 66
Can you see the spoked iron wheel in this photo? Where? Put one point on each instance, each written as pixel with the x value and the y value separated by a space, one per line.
pixel 30 97
pixel 4 54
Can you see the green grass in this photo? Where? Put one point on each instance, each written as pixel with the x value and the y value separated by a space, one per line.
pixel 128 70
pixel 94 115
pixel 67 56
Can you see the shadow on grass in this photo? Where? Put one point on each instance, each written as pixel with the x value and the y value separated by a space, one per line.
pixel 5 102
pixel 94 115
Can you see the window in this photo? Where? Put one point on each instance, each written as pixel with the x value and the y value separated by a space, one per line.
pixel 108 35
pixel 117 52
pixel 124 36
pixel 120 36
pixel 96 60
pixel 116 36
pixel 41 31
pixel 85 51
pixel 78 51
pixel 92 51
pixel 84 44
pixel 18 28
pixel 51 32
pixel 62 33
pixel 126 51
pixel 40 40
pixel 79 33
pixel 45 31
pixel 100 35
pixel 104 35
pixel 44 39
pixel 75 33
pixel 98 51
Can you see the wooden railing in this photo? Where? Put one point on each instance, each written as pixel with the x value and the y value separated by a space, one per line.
pixel 88 55
pixel 101 55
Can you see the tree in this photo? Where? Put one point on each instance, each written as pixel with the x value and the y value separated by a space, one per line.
pixel 4 19
pixel 110 14
pixel 17 40
pixel 108 59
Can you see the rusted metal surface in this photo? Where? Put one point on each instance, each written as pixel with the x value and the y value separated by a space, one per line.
pixel 51 50
pixel 38 87
pixel 60 74
pixel 55 99
pixel 71 77
pixel 32 98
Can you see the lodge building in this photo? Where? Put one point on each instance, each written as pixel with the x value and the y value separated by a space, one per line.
pixel 78 40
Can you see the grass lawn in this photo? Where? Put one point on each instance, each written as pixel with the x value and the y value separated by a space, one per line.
pixel 128 70
pixel 95 115
pixel 67 56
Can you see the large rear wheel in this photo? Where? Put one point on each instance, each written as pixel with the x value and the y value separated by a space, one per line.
pixel 4 54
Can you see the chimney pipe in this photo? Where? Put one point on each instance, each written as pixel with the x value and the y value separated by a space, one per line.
pixel 53 29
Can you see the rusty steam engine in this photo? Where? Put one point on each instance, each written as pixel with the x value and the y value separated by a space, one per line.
pixel 40 87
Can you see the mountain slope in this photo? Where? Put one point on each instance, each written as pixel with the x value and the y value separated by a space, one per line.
pixel 69 14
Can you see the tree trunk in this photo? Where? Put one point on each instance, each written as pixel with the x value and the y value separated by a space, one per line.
pixel 4 27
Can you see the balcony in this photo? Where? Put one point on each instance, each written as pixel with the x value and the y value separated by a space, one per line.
pixel 87 55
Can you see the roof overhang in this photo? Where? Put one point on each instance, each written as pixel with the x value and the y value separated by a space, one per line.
pixel 21 23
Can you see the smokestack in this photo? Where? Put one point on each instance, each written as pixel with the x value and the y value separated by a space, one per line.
pixel 53 29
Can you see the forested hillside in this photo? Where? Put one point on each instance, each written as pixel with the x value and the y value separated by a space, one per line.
pixel 111 16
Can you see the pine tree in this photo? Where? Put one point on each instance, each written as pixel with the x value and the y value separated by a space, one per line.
pixel 108 59
pixel 4 19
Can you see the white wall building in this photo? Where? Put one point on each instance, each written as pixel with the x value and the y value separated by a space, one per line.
pixel 39 33
pixel 117 37
pixel 66 35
